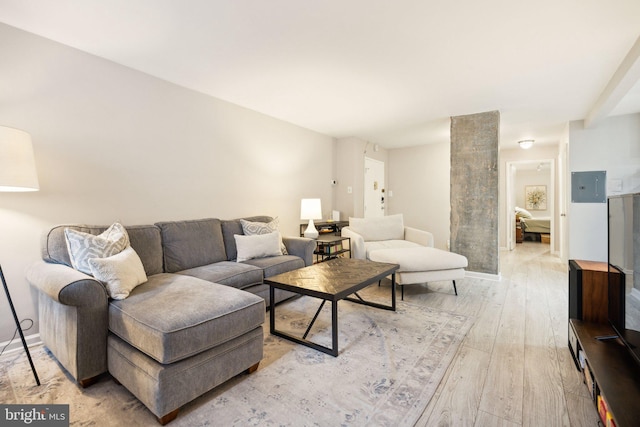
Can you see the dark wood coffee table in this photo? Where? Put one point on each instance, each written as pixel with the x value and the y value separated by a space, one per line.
pixel 333 281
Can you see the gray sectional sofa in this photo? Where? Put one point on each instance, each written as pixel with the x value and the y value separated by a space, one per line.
pixel 194 324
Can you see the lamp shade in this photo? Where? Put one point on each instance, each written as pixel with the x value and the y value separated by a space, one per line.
pixel 17 164
pixel 310 209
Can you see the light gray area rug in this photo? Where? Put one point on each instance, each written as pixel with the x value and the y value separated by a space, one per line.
pixel 389 367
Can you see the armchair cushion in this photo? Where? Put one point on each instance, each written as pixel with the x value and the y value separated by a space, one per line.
pixel 389 227
pixel 388 244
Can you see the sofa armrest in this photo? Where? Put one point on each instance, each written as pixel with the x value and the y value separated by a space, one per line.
pixel 67 286
pixel 358 249
pixel 420 237
pixel 300 246
pixel 73 317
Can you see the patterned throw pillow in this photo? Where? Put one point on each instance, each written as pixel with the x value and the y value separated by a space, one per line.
pixel 250 228
pixel 84 246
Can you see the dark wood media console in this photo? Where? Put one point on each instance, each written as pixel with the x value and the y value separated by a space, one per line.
pixel 609 368
pixel 615 372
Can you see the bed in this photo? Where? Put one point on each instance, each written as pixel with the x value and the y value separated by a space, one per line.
pixel 531 226
pixel 536 225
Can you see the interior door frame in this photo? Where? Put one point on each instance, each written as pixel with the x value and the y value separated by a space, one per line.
pixel 370 163
pixel 510 201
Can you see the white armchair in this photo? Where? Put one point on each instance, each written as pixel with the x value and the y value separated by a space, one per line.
pixel 386 232
pixel 386 239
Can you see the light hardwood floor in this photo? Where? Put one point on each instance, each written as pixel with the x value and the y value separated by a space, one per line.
pixel 514 367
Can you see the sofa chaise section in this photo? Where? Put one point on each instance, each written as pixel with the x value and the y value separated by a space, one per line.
pixel 178 337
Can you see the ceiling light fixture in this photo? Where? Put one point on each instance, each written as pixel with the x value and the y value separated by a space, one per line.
pixel 526 143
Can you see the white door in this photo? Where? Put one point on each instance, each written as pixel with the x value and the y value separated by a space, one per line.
pixel 563 177
pixel 374 194
pixel 510 216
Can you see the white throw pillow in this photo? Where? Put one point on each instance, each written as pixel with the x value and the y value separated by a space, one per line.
pixel 523 213
pixel 84 246
pixel 251 228
pixel 120 273
pixel 383 228
pixel 257 246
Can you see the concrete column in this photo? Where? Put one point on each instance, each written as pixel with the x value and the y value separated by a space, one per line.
pixel 474 189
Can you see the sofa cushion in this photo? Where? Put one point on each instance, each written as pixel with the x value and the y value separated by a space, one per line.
pixel 238 275
pixel 276 264
pixel 172 316
pixel 232 227
pixel 383 228
pixel 144 239
pixel 147 242
pixel 192 243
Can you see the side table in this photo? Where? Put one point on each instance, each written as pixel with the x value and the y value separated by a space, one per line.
pixel 330 247
pixel 326 227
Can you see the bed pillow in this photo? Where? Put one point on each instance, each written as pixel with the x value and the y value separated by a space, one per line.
pixel 251 228
pixel 389 227
pixel 84 246
pixel 120 273
pixel 257 246
pixel 523 213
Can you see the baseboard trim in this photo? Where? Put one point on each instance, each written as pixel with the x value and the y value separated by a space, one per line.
pixel 485 276
pixel 16 343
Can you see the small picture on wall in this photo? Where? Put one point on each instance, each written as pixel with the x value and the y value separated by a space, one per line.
pixel 535 197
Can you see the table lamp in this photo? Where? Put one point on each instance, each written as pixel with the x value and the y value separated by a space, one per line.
pixel 311 209
pixel 17 173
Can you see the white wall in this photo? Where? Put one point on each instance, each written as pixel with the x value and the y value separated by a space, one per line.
pixel 419 179
pixel 613 145
pixel 113 144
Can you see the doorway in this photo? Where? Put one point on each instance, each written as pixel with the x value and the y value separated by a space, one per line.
pixel 374 193
pixel 531 175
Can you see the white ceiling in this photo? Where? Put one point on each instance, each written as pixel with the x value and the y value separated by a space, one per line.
pixel 390 72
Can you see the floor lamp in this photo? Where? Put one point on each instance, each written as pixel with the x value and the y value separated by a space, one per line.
pixel 17 173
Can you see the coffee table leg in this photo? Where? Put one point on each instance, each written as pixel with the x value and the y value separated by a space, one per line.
pixel 333 351
pixel 272 309
pixel 393 291
pixel 334 327
pixel 359 300
pixel 313 320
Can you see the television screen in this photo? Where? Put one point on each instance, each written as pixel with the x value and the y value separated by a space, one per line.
pixel 624 255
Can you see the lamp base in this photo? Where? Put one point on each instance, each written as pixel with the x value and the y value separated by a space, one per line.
pixel 311 232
